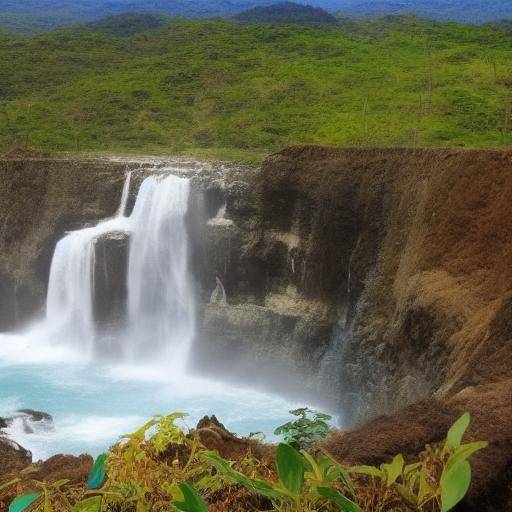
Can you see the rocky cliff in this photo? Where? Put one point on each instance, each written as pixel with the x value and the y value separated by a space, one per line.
pixel 382 277
pixel 373 278
pixel 387 271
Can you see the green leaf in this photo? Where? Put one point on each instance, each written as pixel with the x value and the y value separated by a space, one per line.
pixel 8 484
pixel 394 469
pixel 457 430
pixel 99 473
pixel 192 502
pixel 455 484
pixel 367 470
pixel 425 489
pixel 339 499
pixel 88 505
pixel 23 502
pixel 464 451
pixel 290 468
pixel 258 486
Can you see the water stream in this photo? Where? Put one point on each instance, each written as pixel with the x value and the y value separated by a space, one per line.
pixel 56 365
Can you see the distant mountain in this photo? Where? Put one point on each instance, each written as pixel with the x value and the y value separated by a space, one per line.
pixel 30 16
pixel 287 13
pixel 503 25
pixel 466 11
pixel 128 24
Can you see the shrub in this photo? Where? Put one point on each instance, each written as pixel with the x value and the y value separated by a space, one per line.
pixel 162 467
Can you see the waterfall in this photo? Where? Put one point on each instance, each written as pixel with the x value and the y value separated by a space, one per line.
pixel 160 299
pixel 121 212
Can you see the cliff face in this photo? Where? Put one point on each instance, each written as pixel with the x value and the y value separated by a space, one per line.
pixel 381 277
pixel 377 277
pixel 41 199
pixel 387 272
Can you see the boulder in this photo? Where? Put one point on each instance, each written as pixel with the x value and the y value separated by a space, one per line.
pixel 110 283
pixel 13 457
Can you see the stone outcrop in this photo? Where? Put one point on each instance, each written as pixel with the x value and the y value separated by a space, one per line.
pixel 110 285
pixel 13 457
pixel 41 199
pixel 401 256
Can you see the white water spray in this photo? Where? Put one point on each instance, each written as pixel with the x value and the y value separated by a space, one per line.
pixel 160 298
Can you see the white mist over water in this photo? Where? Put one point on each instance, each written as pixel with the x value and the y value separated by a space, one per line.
pixel 54 366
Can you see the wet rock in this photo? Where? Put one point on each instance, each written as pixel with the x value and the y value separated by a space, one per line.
pixel 36 415
pixel 110 282
pixel 13 457
pixel 68 467
pixel 31 421
pixel 41 199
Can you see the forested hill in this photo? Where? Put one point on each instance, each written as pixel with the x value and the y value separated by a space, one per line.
pixel 227 89
pixel 287 12
pixel 128 24
pixel 30 16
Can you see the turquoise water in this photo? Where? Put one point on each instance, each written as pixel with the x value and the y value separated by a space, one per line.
pixel 93 404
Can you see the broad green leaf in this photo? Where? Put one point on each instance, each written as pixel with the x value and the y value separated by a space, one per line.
pixel 455 484
pixel 290 468
pixel 88 505
pixel 367 470
pixel 457 430
pixel 99 473
pixel 23 502
pixel 314 467
pixel 192 502
pixel 464 451
pixel 339 499
pixel 394 469
pixel 257 486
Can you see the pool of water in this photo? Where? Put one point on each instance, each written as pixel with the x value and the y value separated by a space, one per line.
pixel 92 404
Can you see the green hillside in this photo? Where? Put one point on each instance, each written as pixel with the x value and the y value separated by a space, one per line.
pixel 221 88
pixel 283 13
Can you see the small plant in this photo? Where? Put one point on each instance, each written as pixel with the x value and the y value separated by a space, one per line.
pixel 310 427
pixel 164 468
pixel 303 482
pixel 441 478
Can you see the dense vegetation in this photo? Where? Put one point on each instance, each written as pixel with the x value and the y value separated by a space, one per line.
pixel 162 467
pixel 129 24
pixel 227 89
pixel 287 13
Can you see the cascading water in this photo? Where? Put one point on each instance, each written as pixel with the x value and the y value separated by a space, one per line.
pixel 160 298
pixel 101 370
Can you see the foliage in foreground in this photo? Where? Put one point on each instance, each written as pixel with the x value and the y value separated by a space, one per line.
pixel 162 467
pixel 310 427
